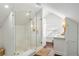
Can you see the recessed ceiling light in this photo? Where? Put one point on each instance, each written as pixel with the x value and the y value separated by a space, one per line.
pixel 6 6
pixel 27 14
pixel 38 5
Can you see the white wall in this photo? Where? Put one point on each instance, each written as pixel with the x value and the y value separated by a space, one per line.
pixel 20 38
pixel 28 35
pixel 8 35
pixel 78 39
pixel 1 39
pixel 71 37
pixel 25 37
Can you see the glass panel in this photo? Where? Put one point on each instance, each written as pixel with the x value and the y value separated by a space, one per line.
pixel 28 27
pixel 39 28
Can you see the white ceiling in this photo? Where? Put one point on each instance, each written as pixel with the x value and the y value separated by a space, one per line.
pixel 3 12
pixel 20 10
pixel 69 10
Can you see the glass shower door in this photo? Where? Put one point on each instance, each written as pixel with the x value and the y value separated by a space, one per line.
pixel 28 30
pixel 39 28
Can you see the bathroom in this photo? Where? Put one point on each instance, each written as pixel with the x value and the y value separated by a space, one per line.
pixel 28 26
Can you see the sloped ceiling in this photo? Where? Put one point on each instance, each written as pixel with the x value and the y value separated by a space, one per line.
pixel 70 10
pixel 4 13
pixel 20 10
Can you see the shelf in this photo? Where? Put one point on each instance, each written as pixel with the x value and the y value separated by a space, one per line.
pixel 59 37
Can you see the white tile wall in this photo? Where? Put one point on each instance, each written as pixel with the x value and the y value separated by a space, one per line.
pixel 8 35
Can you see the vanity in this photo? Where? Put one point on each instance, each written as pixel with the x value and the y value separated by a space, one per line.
pixel 60 45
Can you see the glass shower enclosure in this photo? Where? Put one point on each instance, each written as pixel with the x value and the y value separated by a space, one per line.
pixel 28 30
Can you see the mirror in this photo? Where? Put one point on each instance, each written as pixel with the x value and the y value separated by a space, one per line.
pixel 54 25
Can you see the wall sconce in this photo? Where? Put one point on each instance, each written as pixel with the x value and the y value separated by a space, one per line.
pixel 33 26
pixel 64 26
